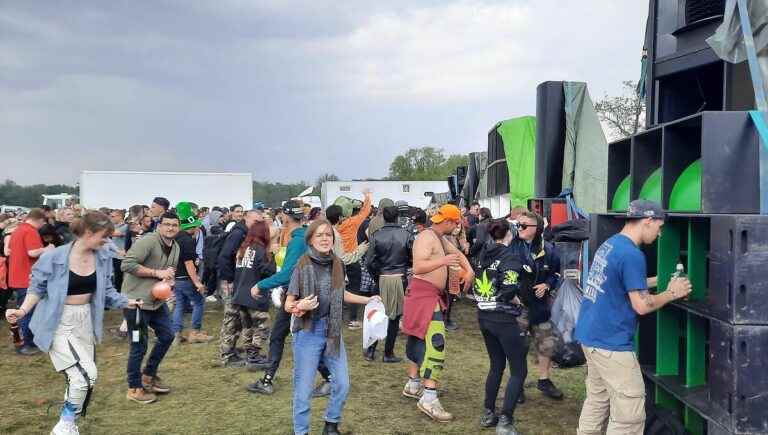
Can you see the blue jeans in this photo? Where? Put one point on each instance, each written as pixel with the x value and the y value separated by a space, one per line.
pixel 160 321
pixel 186 293
pixel 308 348
pixel 26 333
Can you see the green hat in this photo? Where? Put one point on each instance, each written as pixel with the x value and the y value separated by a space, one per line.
pixel 187 217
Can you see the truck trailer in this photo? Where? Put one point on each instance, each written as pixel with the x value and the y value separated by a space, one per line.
pixel 416 193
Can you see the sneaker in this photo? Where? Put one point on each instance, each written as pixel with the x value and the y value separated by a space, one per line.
pixel 211 299
pixel 28 350
pixel 140 395
pixel 549 389
pixel 199 337
pixel 331 428
pixel 67 427
pixel 233 362
pixel 488 419
pixel 369 354
pixel 178 339
pixel 259 362
pixel 434 410
pixel 505 426
pixel 261 387
pixel 413 392
pixel 391 359
pixel 154 384
pixel 353 325
pixel 322 390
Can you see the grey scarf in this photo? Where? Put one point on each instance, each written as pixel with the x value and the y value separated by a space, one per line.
pixel 309 267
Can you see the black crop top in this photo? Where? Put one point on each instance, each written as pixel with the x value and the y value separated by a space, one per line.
pixel 81 285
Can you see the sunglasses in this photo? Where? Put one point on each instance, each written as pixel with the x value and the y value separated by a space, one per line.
pixel 526 226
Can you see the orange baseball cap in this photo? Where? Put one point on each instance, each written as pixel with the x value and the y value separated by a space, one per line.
pixel 448 211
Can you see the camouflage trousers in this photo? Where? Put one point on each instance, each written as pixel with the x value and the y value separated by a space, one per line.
pixel 252 325
pixel 545 336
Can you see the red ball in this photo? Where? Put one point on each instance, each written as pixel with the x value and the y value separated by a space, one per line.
pixel 161 290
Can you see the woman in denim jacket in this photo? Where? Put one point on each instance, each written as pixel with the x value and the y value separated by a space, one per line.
pixel 70 288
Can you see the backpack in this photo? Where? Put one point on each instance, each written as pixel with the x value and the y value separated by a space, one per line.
pixel 212 245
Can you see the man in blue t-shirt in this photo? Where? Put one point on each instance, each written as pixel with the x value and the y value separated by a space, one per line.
pixel 616 292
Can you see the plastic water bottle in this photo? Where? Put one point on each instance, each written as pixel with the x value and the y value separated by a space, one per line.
pixel 679 271
pixel 680 274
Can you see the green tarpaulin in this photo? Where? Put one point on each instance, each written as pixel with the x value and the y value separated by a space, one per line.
pixel 519 137
pixel 585 160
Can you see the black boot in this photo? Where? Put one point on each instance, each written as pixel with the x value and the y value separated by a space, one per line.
pixel 505 426
pixel 549 389
pixel 331 428
pixel 489 418
pixel 370 353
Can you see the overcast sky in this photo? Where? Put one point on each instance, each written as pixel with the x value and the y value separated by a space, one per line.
pixel 285 89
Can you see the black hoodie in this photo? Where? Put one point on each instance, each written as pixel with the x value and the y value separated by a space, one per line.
pixel 225 264
pixel 499 280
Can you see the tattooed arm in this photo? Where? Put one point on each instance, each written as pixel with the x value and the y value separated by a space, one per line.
pixel 643 302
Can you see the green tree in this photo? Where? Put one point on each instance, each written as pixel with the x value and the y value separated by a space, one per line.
pixel 273 194
pixel 29 196
pixel 623 115
pixel 425 163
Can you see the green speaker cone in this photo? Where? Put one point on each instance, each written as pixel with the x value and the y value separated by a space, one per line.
pixel 651 189
pixel 686 193
pixel 621 197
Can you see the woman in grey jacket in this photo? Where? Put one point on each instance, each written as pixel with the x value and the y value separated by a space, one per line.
pixel 70 286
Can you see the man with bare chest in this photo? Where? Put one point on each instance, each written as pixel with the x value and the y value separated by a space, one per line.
pixel 424 309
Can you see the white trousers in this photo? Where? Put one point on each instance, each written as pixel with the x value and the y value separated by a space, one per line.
pixel 73 352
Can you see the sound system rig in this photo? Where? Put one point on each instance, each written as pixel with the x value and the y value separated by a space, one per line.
pixel 704 359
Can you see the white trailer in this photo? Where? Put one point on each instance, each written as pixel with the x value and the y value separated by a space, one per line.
pixel 122 189
pixel 416 193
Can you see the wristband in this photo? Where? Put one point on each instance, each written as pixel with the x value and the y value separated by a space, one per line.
pixel 25 311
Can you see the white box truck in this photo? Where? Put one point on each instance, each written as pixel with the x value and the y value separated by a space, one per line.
pixel 122 189
pixel 416 193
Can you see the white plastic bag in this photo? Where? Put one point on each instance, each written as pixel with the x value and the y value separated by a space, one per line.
pixel 566 308
pixel 375 323
pixel 277 297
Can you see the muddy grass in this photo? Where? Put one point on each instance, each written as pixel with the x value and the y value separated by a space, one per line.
pixel 209 399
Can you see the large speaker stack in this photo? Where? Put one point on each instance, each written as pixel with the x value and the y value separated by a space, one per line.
pixel 705 359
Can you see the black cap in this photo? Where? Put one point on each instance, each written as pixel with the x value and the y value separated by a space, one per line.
pixel 293 208
pixel 642 209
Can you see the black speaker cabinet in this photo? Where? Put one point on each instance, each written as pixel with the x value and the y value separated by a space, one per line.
pixel 684 74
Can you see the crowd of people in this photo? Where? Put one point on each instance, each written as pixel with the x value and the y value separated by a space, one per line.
pixel 307 272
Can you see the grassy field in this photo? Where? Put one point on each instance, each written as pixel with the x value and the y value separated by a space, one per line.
pixel 210 399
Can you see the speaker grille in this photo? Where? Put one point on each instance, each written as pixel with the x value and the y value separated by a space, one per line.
pixel 697 10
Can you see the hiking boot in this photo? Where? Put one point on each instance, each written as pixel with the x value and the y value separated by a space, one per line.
pixel 259 362
pixel 331 428
pixel 154 384
pixel 450 325
pixel 199 337
pixel 521 397
pixel 233 361
pixel 434 410
pixel 261 387
pixel 322 390
pixel 369 354
pixel 67 427
pixel 354 325
pixel 413 392
pixel 391 359
pixel 488 419
pixel 549 389
pixel 505 426
pixel 140 395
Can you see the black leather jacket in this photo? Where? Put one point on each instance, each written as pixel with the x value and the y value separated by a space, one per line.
pixel 389 251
